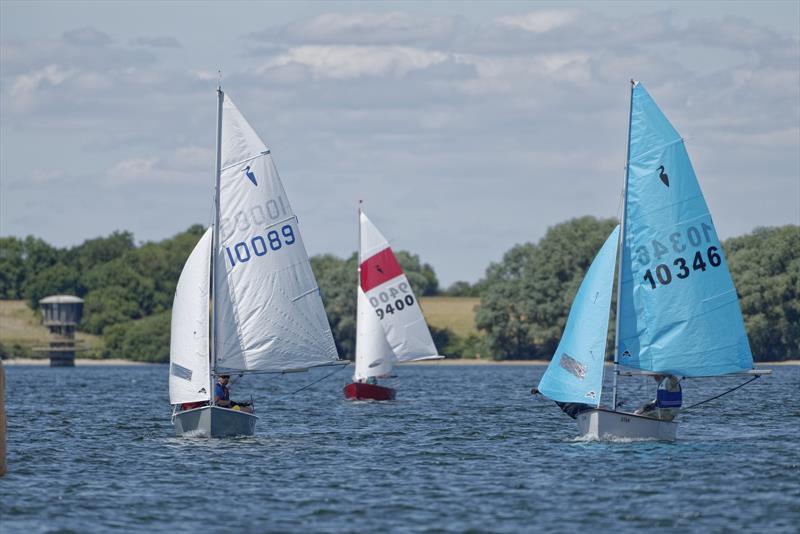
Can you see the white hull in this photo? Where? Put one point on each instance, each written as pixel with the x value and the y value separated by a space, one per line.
pixel 606 424
pixel 214 422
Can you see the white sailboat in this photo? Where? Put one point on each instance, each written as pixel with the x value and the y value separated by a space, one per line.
pixel 247 300
pixel 390 327
pixel 678 313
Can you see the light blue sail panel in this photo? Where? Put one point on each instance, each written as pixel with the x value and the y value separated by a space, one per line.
pixel 679 312
pixel 575 373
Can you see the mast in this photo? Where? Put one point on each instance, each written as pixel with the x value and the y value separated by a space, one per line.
pixel 619 252
pixel 358 270
pixel 215 247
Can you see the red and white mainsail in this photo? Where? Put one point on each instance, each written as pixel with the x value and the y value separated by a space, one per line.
pixel 391 327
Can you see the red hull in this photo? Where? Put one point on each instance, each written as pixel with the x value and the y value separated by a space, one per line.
pixel 362 391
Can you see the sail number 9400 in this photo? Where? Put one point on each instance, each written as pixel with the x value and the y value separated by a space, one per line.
pixel 392 299
pixel 663 273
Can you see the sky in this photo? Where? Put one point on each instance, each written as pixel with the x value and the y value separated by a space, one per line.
pixel 465 128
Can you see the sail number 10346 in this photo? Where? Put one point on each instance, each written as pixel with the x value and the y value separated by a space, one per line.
pixel 663 273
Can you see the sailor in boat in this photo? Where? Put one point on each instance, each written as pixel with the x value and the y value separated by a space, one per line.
pixel 372 381
pixel 572 409
pixel 222 396
pixel 668 401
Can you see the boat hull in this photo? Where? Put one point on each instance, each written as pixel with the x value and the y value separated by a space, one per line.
pixel 606 424
pixel 362 391
pixel 214 422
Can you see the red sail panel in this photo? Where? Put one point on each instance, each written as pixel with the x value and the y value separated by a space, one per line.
pixel 378 269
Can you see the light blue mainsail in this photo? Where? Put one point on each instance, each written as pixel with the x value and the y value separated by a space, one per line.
pixel 679 312
pixel 575 373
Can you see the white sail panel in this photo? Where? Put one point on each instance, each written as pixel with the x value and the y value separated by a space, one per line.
pixel 389 293
pixel 374 356
pixel 188 347
pixel 269 313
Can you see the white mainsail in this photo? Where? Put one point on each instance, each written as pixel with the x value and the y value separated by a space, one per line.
pixel 388 293
pixel 269 315
pixel 188 349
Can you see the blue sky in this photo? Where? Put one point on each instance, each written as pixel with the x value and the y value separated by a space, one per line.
pixel 465 127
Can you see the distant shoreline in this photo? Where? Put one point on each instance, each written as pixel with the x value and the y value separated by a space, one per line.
pixel 541 362
pixel 78 361
pixel 118 361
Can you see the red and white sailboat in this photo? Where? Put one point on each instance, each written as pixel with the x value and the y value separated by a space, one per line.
pixel 390 327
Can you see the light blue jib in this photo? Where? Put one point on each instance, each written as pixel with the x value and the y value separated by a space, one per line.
pixel 575 373
pixel 679 312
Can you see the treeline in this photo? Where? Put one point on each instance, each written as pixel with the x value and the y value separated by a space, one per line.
pixel 128 289
pixel 528 294
pixel 525 297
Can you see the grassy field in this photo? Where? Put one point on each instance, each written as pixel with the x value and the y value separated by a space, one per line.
pixel 20 325
pixel 455 313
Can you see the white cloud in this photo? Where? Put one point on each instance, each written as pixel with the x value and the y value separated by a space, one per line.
pixel 185 166
pixel 347 61
pixel 354 104
pixel 25 87
pixel 392 27
pixel 539 21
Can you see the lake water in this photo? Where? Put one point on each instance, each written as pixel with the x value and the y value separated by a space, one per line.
pixel 463 449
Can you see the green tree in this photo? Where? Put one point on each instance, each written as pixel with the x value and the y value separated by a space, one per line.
pixel 465 289
pixel 765 267
pixel 338 282
pixel 94 252
pixel 54 280
pixel 20 261
pixel 529 293
pixel 420 275
pixel 145 340
pixel 12 268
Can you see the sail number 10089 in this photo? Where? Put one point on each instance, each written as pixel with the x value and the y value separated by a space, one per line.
pixel 258 246
pixel 663 273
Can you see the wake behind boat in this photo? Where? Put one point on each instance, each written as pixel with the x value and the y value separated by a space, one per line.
pixel 390 327
pixel 678 314
pixel 247 301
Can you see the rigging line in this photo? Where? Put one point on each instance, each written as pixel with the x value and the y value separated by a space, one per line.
pixel 321 379
pixel 756 377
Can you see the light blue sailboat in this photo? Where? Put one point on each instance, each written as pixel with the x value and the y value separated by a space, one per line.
pixel 677 309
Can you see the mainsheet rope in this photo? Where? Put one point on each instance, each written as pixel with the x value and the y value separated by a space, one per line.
pixel 721 394
pixel 321 379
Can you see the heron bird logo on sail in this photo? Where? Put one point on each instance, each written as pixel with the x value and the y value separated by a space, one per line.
pixel 251 175
pixel 663 175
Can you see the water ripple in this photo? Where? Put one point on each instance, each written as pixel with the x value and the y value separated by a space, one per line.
pixel 463 449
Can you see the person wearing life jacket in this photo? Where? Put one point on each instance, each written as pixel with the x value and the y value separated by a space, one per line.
pixel 668 401
pixel 222 396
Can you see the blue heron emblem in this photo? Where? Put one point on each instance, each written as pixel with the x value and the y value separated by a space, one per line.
pixel 251 175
